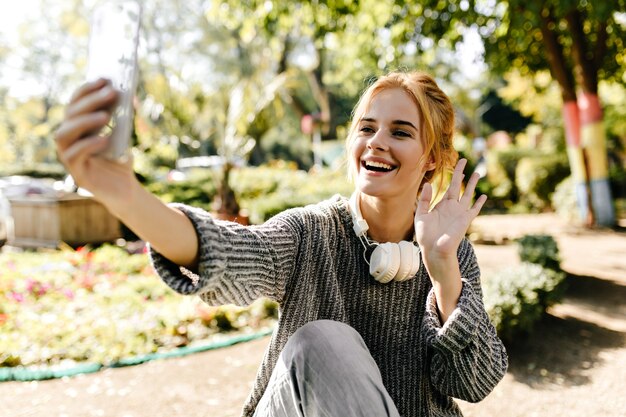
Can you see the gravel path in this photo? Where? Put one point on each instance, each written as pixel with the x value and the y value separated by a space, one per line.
pixel 574 364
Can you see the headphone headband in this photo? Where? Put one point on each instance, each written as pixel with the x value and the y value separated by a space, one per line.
pixel 389 261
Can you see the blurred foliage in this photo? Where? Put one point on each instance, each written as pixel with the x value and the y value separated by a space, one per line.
pixel 564 201
pixel 512 31
pixel 102 305
pixel 523 177
pixel 537 176
pixel 517 297
pixel 501 116
pixel 539 249
pixel 205 67
pixel 34 170
pixel 262 191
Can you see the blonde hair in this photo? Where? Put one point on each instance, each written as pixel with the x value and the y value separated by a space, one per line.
pixel 436 120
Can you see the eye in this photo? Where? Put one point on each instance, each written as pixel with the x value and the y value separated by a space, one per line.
pixel 401 133
pixel 366 129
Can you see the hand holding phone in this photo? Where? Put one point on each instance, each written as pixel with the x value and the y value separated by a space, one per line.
pixel 113 40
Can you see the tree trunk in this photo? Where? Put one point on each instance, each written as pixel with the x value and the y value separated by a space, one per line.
pixel 578 166
pixel 592 132
pixel 562 73
pixel 593 139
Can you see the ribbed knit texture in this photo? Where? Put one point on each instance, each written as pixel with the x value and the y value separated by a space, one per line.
pixel 310 261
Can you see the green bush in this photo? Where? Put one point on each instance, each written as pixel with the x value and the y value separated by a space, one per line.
pixel 296 189
pixel 197 191
pixel 617 179
pixel 564 201
pixel 523 176
pixel 539 249
pixel 537 176
pixel 501 166
pixel 35 170
pixel 517 297
pixel 264 191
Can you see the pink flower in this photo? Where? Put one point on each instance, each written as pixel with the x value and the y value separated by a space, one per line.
pixel 31 284
pixel 68 293
pixel 18 297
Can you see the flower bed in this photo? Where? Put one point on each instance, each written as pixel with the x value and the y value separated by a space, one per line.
pixel 59 308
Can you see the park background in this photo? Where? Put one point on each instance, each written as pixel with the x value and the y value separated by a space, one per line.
pixel 242 109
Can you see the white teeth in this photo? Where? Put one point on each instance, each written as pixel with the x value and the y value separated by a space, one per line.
pixel 377 165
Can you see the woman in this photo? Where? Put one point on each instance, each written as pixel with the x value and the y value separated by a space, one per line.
pixel 381 309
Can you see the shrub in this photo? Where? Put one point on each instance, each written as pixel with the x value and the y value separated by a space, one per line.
pixel 537 176
pixel 617 179
pixel 564 201
pixel 501 166
pixel 521 175
pixel 517 297
pixel 264 191
pixel 35 170
pixel 198 191
pixel 539 249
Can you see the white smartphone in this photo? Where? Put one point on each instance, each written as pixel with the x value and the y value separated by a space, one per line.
pixel 113 40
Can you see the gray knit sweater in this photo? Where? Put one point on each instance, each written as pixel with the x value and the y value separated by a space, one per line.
pixel 310 261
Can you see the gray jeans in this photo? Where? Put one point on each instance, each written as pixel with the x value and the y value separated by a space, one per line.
pixel 325 370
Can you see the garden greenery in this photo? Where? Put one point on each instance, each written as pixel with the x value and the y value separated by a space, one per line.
pixel 517 297
pixel 58 308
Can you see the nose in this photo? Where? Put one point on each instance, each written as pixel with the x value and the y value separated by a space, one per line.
pixel 378 141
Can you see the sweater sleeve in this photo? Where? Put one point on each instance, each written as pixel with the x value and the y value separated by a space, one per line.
pixel 237 264
pixel 467 359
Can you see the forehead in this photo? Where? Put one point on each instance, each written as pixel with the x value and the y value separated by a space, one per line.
pixel 392 104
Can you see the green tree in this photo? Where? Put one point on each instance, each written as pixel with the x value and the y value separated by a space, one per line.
pixel 579 42
pixel 45 58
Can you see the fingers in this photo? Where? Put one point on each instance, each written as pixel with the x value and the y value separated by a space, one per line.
pixel 76 154
pixel 86 114
pixel 423 204
pixel 88 88
pixel 73 129
pixel 456 184
pixel 466 199
pixel 92 100
pixel 478 205
pixel 454 190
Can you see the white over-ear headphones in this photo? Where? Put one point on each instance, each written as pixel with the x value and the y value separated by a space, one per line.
pixel 389 261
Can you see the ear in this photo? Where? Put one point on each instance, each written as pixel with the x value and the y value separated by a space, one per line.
pixel 430 164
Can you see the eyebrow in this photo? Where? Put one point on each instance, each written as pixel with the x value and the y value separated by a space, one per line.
pixel 394 122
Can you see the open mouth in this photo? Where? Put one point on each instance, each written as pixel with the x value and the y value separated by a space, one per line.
pixel 377 166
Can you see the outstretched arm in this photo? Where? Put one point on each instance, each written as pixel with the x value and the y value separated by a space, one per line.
pixel 113 183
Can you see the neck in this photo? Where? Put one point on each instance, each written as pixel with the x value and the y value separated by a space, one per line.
pixel 388 220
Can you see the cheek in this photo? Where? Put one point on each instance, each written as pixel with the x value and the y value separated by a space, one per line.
pixel 356 150
pixel 354 157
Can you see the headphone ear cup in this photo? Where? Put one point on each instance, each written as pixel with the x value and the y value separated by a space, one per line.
pixel 411 261
pixel 406 261
pixel 385 262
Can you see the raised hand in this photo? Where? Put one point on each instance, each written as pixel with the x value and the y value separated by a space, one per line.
pixel 440 231
pixel 78 143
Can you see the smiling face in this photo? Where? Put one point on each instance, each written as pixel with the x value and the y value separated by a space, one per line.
pixel 387 151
